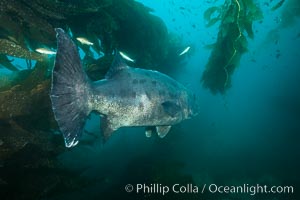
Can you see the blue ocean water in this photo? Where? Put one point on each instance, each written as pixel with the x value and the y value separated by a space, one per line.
pixel 250 135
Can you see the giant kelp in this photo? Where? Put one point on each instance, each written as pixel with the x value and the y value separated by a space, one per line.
pixel 123 24
pixel 12 49
pixel 7 63
pixel 237 17
pixel 34 172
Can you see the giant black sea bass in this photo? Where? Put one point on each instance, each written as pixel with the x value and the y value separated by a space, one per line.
pixel 126 97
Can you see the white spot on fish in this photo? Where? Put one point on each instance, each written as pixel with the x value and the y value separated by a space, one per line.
pixel 83 40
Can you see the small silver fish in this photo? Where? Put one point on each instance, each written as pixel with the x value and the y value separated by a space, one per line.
pixel 126 57
pixel 83 40
pixel 185 51
pixel 45 51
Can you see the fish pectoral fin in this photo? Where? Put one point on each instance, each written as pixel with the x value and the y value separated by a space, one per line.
pixel 162 131
pixel 171 108
pixel 148 131
pixel 106 128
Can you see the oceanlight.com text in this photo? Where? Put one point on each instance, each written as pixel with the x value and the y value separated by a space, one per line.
pixel 157 188
pixel 250 189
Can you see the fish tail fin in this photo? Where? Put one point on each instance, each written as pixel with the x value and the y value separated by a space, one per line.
pixel 70 90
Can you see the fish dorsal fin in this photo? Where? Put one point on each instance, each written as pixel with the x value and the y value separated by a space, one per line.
pixel 117 65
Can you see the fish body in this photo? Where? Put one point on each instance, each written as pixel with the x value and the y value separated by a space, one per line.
pixel 126 97
pixel 138 97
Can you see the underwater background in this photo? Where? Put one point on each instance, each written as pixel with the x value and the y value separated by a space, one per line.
pixel 242 62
